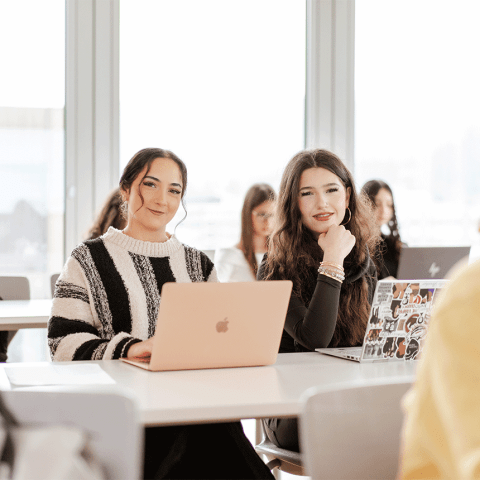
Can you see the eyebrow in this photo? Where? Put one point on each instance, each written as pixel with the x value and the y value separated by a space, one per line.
pixel 326 185
pixel 159 181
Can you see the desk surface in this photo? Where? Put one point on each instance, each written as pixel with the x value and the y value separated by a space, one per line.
pixel 16 314
pixel 235 393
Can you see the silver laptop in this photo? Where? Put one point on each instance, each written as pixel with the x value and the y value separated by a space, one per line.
pixel 429 262
pixel 398 322
pixel 217 325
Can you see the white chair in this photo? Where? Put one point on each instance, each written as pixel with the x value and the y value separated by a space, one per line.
pixel 352 432
pixel 14 288
pixel 53 281
pixel 210 254
pixel 111 421
pixel 278 458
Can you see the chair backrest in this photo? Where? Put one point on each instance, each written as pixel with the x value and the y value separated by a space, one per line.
pixel 352 432
pixel 14 288
pixel 209 253
pixel 111 421
pixel 53 281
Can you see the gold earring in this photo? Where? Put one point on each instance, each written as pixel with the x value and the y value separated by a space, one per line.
pixel 349 216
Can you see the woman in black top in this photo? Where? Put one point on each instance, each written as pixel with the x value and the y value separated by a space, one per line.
pixel 321 242
pixel 388 254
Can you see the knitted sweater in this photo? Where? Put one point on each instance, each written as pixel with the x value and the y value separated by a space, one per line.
pixel 108 294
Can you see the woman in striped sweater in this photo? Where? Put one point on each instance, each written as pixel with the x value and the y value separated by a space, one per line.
pixel 106 303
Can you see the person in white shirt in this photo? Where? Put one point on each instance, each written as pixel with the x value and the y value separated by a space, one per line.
pixel 240 263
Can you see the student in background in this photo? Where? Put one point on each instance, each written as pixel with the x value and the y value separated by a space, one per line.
pixel 388 256
pixel 110 216
pixel 322 241
pixel 441 432
pixel 240 263
pixel 106 304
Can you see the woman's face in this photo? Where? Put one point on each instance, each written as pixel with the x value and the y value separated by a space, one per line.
pixel 162 192
pixel 383 207
pixel 262 219
pixel 322 200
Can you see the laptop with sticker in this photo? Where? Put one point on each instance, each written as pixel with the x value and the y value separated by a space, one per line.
pixel 398 322
pixel 429 262
pixel 218 325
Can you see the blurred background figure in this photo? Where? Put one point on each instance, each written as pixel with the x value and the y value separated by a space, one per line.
pixel 110 216
pixel 381 196
pixel 240 263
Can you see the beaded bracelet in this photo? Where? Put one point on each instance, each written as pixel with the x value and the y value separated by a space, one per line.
pixel 332 274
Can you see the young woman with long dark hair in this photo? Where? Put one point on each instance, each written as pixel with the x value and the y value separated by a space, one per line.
pixel 240 263
pixel 388 256
pixel 322 241
pixel 106 304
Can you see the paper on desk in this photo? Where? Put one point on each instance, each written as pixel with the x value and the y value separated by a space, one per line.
pixel 51 374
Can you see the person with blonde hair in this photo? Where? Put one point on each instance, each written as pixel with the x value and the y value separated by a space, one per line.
pixel 441 431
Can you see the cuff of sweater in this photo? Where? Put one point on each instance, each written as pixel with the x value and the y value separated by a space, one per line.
pixel 126 345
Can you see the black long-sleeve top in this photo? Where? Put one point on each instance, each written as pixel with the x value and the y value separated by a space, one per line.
pixel 311 320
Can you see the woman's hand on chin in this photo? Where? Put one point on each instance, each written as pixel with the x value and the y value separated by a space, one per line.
pixel 336 244
pixel 141 350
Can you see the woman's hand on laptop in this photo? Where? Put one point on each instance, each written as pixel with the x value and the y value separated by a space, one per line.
pixel 141 350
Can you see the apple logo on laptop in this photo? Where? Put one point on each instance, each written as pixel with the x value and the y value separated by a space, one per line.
pixel 434 269
pixel 222 326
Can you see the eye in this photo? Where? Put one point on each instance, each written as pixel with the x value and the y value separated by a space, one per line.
pixel 175 191
pixel 332 190
pixel 149 184
pixel 304 194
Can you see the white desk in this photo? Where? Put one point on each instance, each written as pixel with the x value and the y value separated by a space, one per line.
pixel 17 314
pixel 232 394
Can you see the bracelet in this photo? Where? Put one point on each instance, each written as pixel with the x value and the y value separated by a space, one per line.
pixel 334 265
pixel 332 274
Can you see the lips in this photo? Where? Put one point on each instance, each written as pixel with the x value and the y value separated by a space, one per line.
pixel 155 212
pixel 323 217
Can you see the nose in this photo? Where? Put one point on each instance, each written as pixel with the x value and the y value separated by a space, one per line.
pixel 161 197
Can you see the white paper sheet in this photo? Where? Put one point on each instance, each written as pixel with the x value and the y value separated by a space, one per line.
pixel 50 374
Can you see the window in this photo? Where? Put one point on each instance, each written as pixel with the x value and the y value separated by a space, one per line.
pixel 222 85
pixel 416 113
pixel 32 96
pixel 32 99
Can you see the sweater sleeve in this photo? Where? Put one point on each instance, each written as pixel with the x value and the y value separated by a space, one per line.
pixel 313 326
pixel 74 330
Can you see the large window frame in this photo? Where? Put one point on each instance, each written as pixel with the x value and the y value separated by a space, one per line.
pixel 92 98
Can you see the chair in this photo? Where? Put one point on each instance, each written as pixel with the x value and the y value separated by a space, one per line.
pixel 53 281
pixel 111 421
pixel 352 432
pixel 209 253
pixel 284 460
pixel 14 288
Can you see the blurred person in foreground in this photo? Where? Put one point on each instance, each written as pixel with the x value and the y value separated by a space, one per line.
pixel 441 432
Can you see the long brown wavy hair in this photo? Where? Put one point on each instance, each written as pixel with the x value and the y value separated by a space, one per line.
pixel 294 252
pixel 256 195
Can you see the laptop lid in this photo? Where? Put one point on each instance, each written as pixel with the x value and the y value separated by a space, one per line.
pixel 429 262
pixel 399 319
pixel 216 325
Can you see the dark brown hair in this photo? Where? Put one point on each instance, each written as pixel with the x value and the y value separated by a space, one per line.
pixel 256 195
pixel 110 216
pixel 293 250
pixel 146 157
pixel 371 189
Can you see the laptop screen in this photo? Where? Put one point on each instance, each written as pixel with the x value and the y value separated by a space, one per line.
pixel 399 319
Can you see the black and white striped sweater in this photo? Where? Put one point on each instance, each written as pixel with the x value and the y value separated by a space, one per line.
pixel 108 294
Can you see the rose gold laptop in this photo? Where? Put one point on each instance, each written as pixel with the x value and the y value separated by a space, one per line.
pixel 218 325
